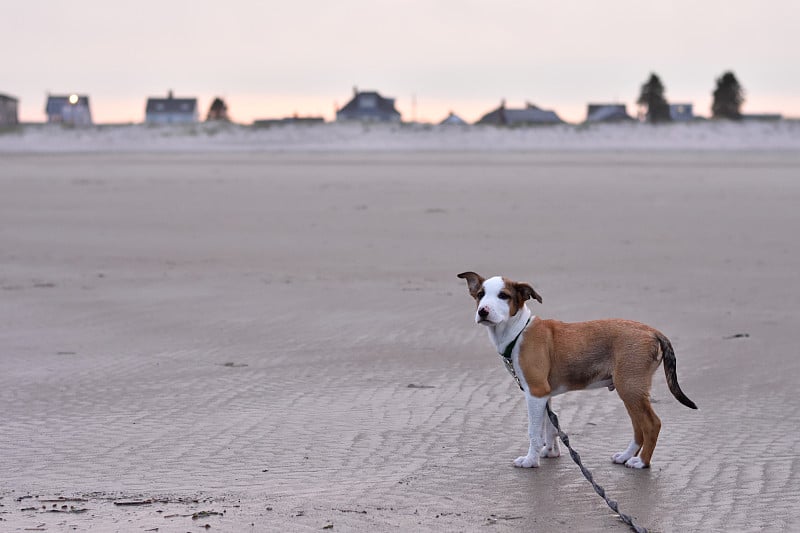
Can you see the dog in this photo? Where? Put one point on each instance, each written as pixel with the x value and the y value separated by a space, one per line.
pixel 548 357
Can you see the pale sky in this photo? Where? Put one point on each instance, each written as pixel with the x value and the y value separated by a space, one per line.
pixel 273 59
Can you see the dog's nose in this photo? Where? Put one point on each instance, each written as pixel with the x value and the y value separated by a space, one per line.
pixel 483 312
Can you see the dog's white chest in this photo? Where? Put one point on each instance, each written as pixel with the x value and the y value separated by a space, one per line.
pixel 510 356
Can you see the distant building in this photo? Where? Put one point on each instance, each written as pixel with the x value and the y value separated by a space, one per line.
pixel 72 110
pixel 369 106
pixel 607 113
pixel 762 116
pixel 8 111
pixel 266 122
pixel 171 110
pixel 527 116
pixel 453 119
pixel 681 112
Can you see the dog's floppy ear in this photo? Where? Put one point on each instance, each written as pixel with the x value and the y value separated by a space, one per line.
pixel 526 291
pixel 474 281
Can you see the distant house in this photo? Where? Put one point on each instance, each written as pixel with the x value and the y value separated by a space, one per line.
pixel 762 116
pixel 453 119
pixel 527 116
pixel 72 110
pixel 369 106
pixel 681 112
pixel 607 113
pixel 266 122
pixel 171 110
pixel 8 111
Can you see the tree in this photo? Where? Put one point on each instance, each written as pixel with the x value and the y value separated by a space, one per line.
pixel 218 110
pixel 728 97
pixel 652 97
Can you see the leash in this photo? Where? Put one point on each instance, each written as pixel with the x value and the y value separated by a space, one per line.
pixel 588 475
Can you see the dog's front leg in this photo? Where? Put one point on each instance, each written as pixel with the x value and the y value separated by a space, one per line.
pixel 551 447
pixel 536 413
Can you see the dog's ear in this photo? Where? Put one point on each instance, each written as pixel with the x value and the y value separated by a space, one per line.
pixel 474 282
pixel 526 292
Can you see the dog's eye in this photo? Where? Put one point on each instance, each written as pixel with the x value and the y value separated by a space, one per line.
pixel 504 296
pixel 481 295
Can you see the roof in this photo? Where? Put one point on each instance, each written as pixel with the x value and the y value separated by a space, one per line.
pixel 171 105
pixel 530 114
pixel 56 103
pixel 367 103
pixel 603 112
pixel 452 118
pixel 6 97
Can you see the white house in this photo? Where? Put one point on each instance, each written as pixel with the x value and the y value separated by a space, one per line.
pixel 72 110
pixel 171 110
pixel 681 112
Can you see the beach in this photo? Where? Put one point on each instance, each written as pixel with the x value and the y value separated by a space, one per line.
pixel 276 340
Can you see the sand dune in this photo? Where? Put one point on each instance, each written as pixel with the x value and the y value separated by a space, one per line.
pixel 356 138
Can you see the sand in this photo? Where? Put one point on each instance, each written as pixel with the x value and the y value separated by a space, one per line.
pixel 282 339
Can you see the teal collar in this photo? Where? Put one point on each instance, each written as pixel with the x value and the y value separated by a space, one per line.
pixel 510 348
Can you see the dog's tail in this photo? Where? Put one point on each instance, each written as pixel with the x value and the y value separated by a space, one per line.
pixel 671 371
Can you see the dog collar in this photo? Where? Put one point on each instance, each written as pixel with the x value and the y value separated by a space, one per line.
pixel 506 355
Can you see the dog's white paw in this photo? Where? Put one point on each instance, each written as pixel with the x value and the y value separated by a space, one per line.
pixel 526 461
pixel 550 451
pixel 621 457
pixel 635 462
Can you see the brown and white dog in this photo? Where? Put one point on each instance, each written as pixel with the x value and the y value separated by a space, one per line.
pixel 549 357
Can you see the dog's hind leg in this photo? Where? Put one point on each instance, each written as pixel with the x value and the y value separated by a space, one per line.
pixel 636 443
pixel 651 426
pixel 633 379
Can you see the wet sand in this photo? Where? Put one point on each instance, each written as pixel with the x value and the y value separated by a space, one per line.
pixel 282 339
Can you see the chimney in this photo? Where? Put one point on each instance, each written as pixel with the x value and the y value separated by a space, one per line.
pixel 169 94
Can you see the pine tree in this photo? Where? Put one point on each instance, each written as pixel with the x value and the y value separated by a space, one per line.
pixel 652 97
pixel 218 110
pixel 728 97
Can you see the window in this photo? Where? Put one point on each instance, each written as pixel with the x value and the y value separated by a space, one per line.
pixel 367 101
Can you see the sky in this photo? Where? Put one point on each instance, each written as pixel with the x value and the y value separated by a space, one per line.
pixel 271 59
